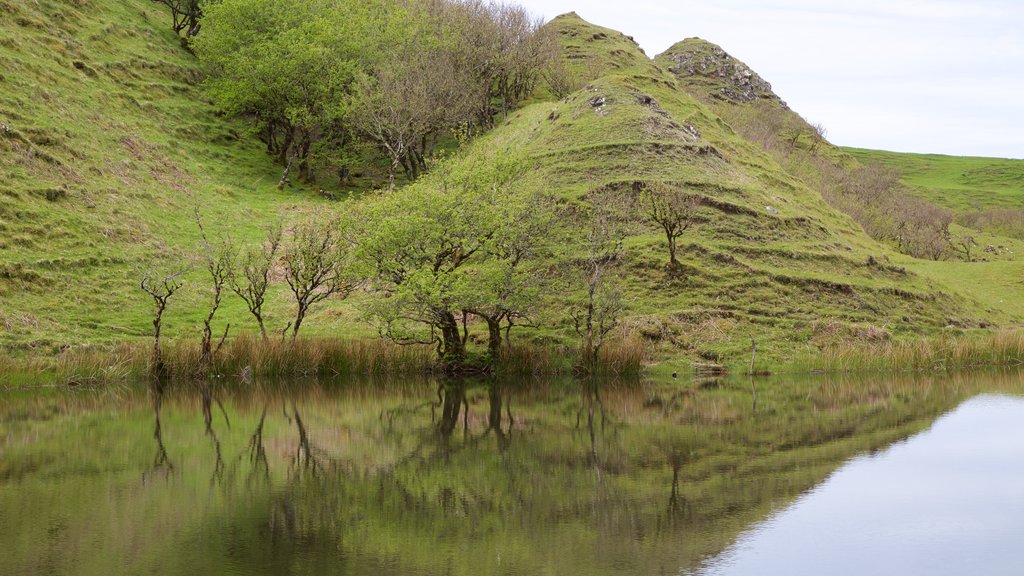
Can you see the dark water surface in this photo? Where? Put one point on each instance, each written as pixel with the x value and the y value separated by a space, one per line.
pixel 908 475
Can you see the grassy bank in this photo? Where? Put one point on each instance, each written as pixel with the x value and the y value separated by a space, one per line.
pixel 944 353
pixel 245 358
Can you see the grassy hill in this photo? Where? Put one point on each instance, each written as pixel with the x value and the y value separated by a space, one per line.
pixel 107 143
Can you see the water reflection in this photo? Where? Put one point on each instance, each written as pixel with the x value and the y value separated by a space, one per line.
pixel 337 477
pixel 947 501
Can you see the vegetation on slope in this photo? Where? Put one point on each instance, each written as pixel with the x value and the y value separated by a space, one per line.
pixel 108 146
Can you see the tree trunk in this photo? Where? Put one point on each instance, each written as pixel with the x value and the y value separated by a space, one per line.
pixel 454 396
pixel 158 360
pixel 299 317
pixel 453 351
pixel 263 328
pixel 493 336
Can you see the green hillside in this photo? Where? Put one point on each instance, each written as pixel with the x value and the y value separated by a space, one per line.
pixel 960 183
pixel 987 197
pixel 107 143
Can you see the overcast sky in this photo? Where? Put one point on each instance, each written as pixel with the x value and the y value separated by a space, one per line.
pixel 940 76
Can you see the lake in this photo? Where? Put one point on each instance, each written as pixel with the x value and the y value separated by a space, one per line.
pixel 882 475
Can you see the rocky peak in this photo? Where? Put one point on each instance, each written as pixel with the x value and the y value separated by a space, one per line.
pixel 731 80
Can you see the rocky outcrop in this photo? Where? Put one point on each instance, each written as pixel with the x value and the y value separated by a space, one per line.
pixel 732 80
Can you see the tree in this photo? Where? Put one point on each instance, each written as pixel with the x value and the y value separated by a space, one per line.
pixel 250 278
pixel 160 286
pixel 420 249
pixel 966 244
pixel 315 260
pixel 218 257
pixel 670 208
pixel 597 315
pixel 509 282
pixel 289 66
pixel 422 87
pixel 819 135
pixel 185 15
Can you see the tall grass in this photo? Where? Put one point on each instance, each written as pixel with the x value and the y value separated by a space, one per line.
pixel 248 357
pixel 942 353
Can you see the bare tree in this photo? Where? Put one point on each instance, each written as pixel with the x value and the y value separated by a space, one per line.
pixel 185 14
pixel 160 287
pixel 314 261
pixel 250 278
pixel 218 258
pixel 819 135
pixel 598 315
pixel 966 244
pixel 670 208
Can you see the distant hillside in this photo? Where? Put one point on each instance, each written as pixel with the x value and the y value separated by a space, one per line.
pixel 960 183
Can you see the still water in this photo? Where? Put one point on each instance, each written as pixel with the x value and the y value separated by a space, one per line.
pixel 910 475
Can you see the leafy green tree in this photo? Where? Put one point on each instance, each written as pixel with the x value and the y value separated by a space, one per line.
pixel 597 313
pixel 421 248
pixel 670 208
pixel 509 284
pixel 289 66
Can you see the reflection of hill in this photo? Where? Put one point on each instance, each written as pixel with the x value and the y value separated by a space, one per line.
pixel 563 478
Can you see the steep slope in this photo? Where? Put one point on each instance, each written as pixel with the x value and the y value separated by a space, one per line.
pixel 773 261
pixel 106 145
pixel 992 285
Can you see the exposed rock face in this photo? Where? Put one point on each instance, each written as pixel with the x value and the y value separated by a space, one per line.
pixel 738 83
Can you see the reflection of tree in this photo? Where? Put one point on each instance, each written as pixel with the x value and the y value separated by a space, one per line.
pixel 257 453
pixel 454 400
pixel 590 398
pixel 161 462
pixel 676 503
pixel 307 456
pixel 207 400
pixel 496 402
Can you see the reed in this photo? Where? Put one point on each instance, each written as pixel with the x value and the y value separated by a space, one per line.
pixel 943 353
pixel 248 357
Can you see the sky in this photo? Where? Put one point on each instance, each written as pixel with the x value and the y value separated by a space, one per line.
pixel 933 76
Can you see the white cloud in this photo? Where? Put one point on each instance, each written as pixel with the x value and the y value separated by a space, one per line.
pixel 942 76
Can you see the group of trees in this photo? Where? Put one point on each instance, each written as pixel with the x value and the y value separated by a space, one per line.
pixel 338 84
pixel 312 259
pixel 874 198
pixel 466 245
